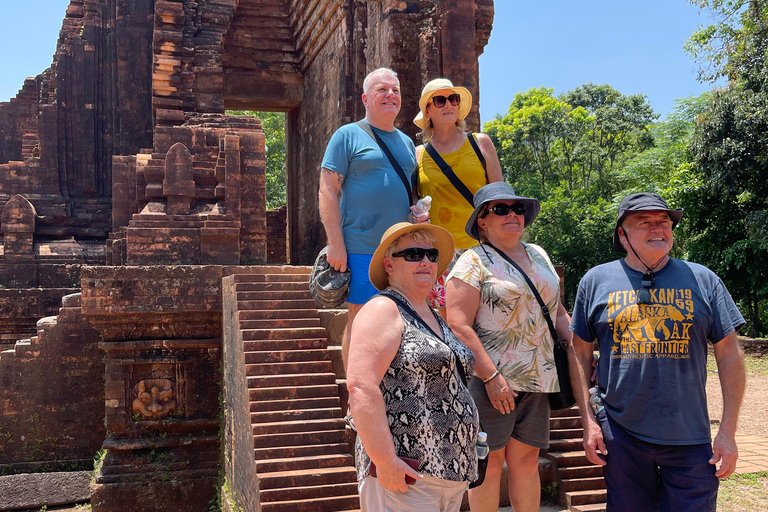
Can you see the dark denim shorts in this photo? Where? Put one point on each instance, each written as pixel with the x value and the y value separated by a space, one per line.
pixel 648 477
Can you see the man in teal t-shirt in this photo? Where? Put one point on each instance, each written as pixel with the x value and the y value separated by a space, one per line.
pixel 361 194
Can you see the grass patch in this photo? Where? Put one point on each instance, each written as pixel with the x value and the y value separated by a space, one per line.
pixel 754 364
pixel 743 493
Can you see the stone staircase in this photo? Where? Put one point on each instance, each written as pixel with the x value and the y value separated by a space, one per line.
pixel 579 482
pixel 303 457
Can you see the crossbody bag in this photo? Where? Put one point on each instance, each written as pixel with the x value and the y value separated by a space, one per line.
pixel 562 399
pixel 448 172
pixel 363 124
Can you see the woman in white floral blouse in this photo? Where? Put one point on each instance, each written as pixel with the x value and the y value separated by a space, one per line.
pixel 493 311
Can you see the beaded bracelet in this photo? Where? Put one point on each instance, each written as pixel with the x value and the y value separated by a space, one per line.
pixel 489 379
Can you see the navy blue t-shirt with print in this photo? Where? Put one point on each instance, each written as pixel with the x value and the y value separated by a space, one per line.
pixel 652 369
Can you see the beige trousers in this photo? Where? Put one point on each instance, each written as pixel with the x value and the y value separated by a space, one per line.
pixel 429 494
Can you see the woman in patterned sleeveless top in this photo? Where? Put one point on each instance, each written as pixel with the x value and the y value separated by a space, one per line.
pixel 406 382
pixel 494 312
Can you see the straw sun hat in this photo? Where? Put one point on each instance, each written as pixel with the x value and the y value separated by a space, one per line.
pixel 443 243
pixel 439 84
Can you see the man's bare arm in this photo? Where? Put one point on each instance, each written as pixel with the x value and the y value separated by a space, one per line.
pixel 328 196
pixel 580 355
pixel 730 369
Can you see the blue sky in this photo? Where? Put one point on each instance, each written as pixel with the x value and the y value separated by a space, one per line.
pixel 635 46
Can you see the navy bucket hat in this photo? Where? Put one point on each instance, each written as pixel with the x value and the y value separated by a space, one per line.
pixel 499 190
pixel 642 202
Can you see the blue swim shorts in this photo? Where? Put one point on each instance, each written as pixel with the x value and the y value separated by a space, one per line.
pixel 360 287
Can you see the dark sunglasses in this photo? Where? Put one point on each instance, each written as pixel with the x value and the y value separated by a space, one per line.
pixel 417 254
pixel 502 210
pixel 644 295
pixel 439 101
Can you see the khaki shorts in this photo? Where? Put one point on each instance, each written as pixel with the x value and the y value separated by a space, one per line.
pixel 527 423
pixel 427 494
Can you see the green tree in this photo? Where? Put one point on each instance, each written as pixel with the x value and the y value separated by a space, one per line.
pixel 537 140
pixel 620 130
pixel 273 124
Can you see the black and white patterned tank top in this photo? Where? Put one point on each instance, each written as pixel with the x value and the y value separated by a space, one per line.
pixel 431 414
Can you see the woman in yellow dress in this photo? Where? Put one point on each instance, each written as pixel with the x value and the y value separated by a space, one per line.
pixel 471 158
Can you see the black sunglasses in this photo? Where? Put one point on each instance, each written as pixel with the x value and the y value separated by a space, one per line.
pixel 502 210
pixel 439 101
pixel 644 295
pixel 417 254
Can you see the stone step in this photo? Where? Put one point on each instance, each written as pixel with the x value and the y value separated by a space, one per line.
pixel 582 484
pixel 299 379
pixel 274 295
pixel 307 477
pixel 294 463
pixel 329 504
pixel 271 314
pixel 254 369
pixel 592 471
pixel 307 304
pixel 294 333
pixel 566 445
pixel 256 272
pixel 272 286
pixel 299 438
pixel 307 493
pixel 594 507
pixel 567 433
pixel 298 426
pixel 572 412
pixel 569 459
pixel 590 497
pixel 271 278
pixel 296 405
pixel 286 356
pixel 564 423
pixel 293 392
pixel 279 323
pixel 312 450
pixel 257 346
pixel 295 415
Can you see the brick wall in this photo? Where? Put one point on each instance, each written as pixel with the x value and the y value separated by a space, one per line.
pixel 237 437
pixel 52 395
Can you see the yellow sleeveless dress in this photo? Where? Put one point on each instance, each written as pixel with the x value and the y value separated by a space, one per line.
pixel 449 208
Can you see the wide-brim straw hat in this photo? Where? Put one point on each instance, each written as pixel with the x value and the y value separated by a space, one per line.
pixel 642 202
pixel 438 84
pixel 443 243
pixel 496 191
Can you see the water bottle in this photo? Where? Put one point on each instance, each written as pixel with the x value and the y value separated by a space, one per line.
pixel 482 445
pixel 595 400
pixel 482 458
pixel 421 209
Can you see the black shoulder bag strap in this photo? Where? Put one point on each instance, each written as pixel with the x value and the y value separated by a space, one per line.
pixel 363 124
pixel 544 307
pixel 403 304
pixel 473 143
pixel 448 172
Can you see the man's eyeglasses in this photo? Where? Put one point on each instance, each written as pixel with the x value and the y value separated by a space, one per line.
pixel 502 210
pixel 439 101
pixel 417 254
pixel 644 295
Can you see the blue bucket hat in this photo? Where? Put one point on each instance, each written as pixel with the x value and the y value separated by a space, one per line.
pixel 642 202
pixel 499 190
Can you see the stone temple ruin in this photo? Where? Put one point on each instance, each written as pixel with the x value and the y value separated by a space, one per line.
pixel 151 307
